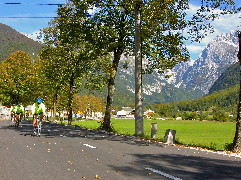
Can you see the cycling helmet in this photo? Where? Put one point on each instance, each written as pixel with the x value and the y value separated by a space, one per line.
pixel 39 100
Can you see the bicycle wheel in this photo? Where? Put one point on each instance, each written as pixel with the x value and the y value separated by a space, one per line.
pixel 39 128
pixel 17 123
pixel 13 120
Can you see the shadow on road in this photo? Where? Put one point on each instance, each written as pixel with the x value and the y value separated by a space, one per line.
pixel 187 167
pixel 51 130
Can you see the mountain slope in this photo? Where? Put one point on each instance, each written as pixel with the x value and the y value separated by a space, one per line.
pixel 226 99
pixel 229 78
pixel 12 41
pixel 200 74
pixel 156 88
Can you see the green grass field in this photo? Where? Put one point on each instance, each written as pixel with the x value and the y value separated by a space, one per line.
pixel 207 134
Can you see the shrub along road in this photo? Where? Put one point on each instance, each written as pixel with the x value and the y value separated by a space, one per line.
pixel 66 152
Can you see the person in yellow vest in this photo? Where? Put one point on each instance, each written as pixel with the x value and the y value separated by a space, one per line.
pixel 12 112
pixel 19 110
pixel 38 108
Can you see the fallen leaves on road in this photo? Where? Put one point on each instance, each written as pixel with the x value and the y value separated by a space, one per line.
pixel 70 162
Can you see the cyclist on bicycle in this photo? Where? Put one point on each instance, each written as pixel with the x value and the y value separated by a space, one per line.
pixel 12 112
pixel 19 111
pixel 38 109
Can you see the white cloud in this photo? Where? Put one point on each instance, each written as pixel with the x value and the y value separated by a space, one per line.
pixel 224 24
pixel 34 35
pixel 195 48
pixel 192 10
pixel 228 22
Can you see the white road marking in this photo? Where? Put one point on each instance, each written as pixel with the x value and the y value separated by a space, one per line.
pixel 92 147
pixel 163 174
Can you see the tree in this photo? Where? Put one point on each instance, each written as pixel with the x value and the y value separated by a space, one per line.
pixel 138 71
pixel 112 27
pixel 219 115
pixel 87 104
pixel 69 59
pixel 18 79
pixel 236 146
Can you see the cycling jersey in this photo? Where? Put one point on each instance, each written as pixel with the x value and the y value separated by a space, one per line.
pixel 13 109
pixel 38 108
pixel 19 109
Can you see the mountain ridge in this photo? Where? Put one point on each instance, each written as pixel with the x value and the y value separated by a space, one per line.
pixel 12 41
pixel 216 57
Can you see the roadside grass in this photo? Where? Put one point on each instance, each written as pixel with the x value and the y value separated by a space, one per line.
pixel 206 134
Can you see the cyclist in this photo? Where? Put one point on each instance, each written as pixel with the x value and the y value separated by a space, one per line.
pixel 19 111
pixel 38 108
pixel 12 112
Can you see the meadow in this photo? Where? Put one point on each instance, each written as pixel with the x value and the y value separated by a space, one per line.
pixel 206 134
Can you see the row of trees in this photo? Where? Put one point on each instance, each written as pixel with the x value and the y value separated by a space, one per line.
pixel 212 114
pixel 22 80
pixel 91 36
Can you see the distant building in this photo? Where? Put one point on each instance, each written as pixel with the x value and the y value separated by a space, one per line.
pixel 126 112
pixel 178 118
pixel 148 113
pixel 4 112
pixel 121 113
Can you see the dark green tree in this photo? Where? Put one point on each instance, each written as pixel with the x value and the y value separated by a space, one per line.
pixel 70 61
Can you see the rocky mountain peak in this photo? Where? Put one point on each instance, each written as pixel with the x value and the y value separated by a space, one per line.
pixel 200 74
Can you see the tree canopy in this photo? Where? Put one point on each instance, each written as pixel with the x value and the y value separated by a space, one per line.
pixel 17 78
pixel 69 60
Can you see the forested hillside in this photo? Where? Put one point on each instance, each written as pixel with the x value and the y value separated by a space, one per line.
pixel 223 97
pixel 12 41
pixel 229 78
pixel 224 101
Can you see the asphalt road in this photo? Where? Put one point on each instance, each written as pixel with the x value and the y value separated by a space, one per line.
pixel 65 152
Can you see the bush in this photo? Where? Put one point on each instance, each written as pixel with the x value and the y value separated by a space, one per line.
pixel 219 115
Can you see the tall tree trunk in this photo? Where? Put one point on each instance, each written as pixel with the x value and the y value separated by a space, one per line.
pixel 138 72
pixel 111 88
pixel 237 139
pixel 54 104
pixel 106 125
pixel 70 100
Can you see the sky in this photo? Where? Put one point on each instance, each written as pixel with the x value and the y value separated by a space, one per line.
pixel 31 26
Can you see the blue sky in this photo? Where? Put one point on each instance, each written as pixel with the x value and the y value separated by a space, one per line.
pixel 31 26
pixel 28 9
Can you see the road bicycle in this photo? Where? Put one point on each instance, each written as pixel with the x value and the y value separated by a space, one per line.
pixel 17 120
pixel 13 118
pixel 39 125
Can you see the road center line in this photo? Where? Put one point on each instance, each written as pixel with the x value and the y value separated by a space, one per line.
pixel 92 147
pixel 163 174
